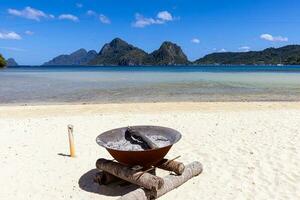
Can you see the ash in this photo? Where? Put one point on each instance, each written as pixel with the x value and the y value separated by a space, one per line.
pixel 125 145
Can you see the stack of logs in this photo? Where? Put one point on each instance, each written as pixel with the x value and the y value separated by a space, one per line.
pixel 152 186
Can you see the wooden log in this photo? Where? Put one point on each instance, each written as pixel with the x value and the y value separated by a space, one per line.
pixel 104 178
pixel 140 178
pixel 171 165
pixel 71 140
pixel 170 182
pixel 144 141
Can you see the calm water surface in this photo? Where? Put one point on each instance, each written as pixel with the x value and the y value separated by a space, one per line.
pixel 82 84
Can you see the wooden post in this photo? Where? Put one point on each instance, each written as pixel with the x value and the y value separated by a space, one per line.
pixel 170 182
pixel 140 178
pixel 71 140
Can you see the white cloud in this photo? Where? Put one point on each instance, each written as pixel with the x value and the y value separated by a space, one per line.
pixel 10 36
pixel 91 13
pixel 195 40
pixel 272 38
pixel 29 32
pixel 68 17
pixel 267 37
pixel 79 5
pixel 29 13
pixel 161 18
pixel 245 48
pixel 165 16
pixel 222 50
pixel 104 19
pixel 141 21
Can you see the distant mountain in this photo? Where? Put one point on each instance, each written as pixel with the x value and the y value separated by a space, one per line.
pixel 288 55
pixel 79 57
pixel 169 54
pixel 11 62
pixel 2 61
pixel 119 52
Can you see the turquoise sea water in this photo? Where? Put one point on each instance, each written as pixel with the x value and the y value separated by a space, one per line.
pixel 82 84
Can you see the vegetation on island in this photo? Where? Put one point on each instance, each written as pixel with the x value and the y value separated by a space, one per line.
pixel 169 54
pixel 120 53
pixel 2 61
pixel 11 62
pixel 79 57
pixel 287 55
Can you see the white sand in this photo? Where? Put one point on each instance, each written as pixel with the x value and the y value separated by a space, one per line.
pixel 248 150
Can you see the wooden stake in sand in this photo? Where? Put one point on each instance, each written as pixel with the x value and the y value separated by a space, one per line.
pixel 170 182
pixel 71 140
pixel 140 178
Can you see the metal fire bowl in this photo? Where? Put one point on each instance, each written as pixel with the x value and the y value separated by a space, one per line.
pixel 144 158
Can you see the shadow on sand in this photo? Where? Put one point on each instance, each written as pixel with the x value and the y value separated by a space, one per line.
pixel 64 155
pixel 86 183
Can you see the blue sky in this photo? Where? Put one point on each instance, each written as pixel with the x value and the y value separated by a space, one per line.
pixel 35 31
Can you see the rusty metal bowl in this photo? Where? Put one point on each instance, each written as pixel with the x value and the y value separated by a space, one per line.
pixel 145 158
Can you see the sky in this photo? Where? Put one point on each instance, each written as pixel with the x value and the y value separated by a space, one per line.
pixel 35 31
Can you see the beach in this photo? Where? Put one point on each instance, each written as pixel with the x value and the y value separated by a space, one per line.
pixel 179 100
pixel 249 150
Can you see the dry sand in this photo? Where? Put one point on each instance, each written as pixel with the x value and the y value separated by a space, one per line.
pixel 248 150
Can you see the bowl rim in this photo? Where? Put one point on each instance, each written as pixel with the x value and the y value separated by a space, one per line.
pixel 147 150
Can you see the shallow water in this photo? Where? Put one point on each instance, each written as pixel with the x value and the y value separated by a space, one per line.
pixel 62 84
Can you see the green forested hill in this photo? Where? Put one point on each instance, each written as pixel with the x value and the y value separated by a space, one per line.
pixel 119 52
pixel 289 55
pixel 2 61
pixel 79 57
pixel 169 54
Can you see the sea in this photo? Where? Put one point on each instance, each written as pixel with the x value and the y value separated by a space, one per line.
pixel 32 85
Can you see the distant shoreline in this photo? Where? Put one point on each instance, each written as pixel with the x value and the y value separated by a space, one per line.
pixel 160 66
pixel 70 104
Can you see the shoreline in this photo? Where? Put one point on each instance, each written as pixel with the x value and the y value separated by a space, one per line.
pixel 79 103
pixel 85 109
pixel 159 66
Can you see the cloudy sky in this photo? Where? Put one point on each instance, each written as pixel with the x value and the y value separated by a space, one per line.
pixel 34 31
